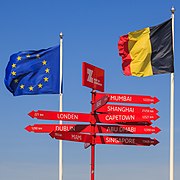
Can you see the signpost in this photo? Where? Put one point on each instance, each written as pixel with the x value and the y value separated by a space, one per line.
pixel 100 103
pixel 103 119
pixel 117 140
pixel 122 117
pixel 63 116
pixel 82 128
pixel 113 108
pixel 126 129
pixel 121 140
pixel 71 136
pixel 48 128
pixel 128 98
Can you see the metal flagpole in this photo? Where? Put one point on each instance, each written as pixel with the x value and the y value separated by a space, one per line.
pixel 60 106
pixel 172 110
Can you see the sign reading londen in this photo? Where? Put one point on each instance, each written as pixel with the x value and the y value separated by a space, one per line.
pixel 92 77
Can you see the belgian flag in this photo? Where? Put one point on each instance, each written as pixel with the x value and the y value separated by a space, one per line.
pixel 148 51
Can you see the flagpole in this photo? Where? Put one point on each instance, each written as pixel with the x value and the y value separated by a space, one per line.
pixel 172 109
pixel 60 105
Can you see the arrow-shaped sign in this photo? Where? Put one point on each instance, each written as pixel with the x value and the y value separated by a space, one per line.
pixel 128 98
pixel 66 116
pixel 108 129
pixel 113 108
pixel 126 129
pixel 117 140
pixel 47 128
pixel 118 118
pixel 101 118
pixel 121 140
pixel 71 136
pixel 100 103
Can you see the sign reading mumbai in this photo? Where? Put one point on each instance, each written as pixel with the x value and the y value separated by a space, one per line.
pixel 128 98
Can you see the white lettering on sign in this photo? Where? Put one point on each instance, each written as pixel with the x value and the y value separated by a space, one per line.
pixel 118 129
pixel 117 140
pixel 119 117
pixel 90 73
pixel 76 137
pixel 97 82
pixel 121 98
pixel 149 130
pixel 120 109
pixel 67 116
pixel 148 100
pixel 97 104
pixel 146 110
pixel 37 128
pixel 64 128
pixel 58 134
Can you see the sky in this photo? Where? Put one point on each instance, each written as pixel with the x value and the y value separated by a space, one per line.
pixel 91 32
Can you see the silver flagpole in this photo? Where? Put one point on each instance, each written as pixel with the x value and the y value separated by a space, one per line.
pixel 172 109
pixel 60 106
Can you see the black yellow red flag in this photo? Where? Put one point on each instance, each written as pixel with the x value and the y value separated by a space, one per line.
pixel 148 51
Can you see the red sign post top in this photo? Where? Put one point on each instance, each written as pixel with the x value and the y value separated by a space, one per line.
pixel 92 77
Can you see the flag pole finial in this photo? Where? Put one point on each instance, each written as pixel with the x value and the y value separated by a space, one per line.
pixel 61 35
pixel 172 10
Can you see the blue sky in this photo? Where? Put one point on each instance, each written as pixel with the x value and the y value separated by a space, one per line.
pixel 91 32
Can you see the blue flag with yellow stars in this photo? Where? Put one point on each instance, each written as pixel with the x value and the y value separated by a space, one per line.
pixel 33 72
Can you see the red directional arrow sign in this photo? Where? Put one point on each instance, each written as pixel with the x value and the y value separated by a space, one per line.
pixel 47 128
pixel 66 116
pixel 120 140
pixel 101 102
pixel 108 129
pixel 126 129
pixel 71 136
pixel 117 140
pixel 118 118
pixel 112 108
pixel 126 98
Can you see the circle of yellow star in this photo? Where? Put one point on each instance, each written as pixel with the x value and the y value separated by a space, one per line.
pixel 19 58
pixel 40 85
pixel 13 65
pixel 37 56
pixel 46 79
pixel 13 73
pixel 44 62
pixel 31 88
pixel 22 86
pixel 28 56
pixel 47 70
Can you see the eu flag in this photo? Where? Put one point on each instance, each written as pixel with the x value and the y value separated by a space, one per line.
pixel 33 72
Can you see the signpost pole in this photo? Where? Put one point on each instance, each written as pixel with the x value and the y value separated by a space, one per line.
pixel 93 135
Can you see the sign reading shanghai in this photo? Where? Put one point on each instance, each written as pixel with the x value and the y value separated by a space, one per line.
pixel 92 77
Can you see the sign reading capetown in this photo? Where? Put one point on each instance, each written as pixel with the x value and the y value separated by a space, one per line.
pixel 33 72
